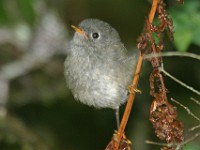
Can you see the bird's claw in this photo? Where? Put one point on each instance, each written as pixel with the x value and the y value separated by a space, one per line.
pixel 124 138
pixel 132 89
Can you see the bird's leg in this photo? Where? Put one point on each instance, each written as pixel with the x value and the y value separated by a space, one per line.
pixel 117 120
pixel 117 116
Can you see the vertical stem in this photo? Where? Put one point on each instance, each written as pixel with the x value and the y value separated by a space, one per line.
pixel 153 10
pixel 129 103
pixel 134 82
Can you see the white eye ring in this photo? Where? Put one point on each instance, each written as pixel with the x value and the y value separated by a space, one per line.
pixel 95 35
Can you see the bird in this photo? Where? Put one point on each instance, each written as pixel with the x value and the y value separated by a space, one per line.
pixel 98 68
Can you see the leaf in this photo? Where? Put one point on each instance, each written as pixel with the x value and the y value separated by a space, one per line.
pixel 186 22
pixel 196 37
pixel 182 39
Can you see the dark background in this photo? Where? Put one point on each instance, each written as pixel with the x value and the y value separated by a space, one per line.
pixel 38 112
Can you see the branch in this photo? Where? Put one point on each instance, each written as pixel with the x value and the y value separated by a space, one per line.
pixel 129 102
pixel 192 138
pixel 153 10
pixel 180 82
pixel 134 83
pixel 167 54
pixel 196 135
pixel 158 143
pixel 195 100
pixel 187 109
pixel 194 128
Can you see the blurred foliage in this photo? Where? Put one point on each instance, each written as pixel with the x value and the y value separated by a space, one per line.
pixel 187 24
pixel 42 114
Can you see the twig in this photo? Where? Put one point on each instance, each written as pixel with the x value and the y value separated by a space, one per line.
pixel 198 103
pixel 130 99
pixel 190 113
pixel 194 128
pixel 166 54
pixel 153 10
pixel 158 143
pixel 192 138
pixel 180 82
pixel 195 100
pixel 134 82
pixel 187 109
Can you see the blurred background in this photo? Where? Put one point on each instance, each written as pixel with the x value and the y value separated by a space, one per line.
pixel 38 112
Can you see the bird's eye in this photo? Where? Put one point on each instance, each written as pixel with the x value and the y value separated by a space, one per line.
pixel 95 35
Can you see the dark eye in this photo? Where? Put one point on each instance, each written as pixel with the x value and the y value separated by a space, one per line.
pixel 95 35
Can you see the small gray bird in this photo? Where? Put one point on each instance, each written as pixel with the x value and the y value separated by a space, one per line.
pixel 98 68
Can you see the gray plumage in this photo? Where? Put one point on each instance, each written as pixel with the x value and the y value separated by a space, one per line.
pixel 99 70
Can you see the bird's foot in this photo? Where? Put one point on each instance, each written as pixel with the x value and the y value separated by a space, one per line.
pixel 132 89
pixel 124 138
pixel 124 143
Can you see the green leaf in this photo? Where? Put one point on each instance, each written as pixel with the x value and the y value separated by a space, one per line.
pixel 182 38
pixel 196 37
pixel 187 25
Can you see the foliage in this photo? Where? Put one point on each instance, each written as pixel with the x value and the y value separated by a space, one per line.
pixel 186 24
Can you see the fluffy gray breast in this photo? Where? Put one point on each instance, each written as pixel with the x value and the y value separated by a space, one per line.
pixel 98 79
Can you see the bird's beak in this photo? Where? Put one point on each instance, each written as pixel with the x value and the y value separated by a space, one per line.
pixel 80 31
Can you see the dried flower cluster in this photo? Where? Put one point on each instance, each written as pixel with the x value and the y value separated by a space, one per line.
pixel 162 114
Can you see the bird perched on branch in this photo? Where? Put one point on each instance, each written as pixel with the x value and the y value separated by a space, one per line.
pixel 98 68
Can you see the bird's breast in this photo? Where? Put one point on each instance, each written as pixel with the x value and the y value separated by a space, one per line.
pixel 94 81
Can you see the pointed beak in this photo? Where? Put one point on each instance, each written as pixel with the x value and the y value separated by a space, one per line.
pixel 80 31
